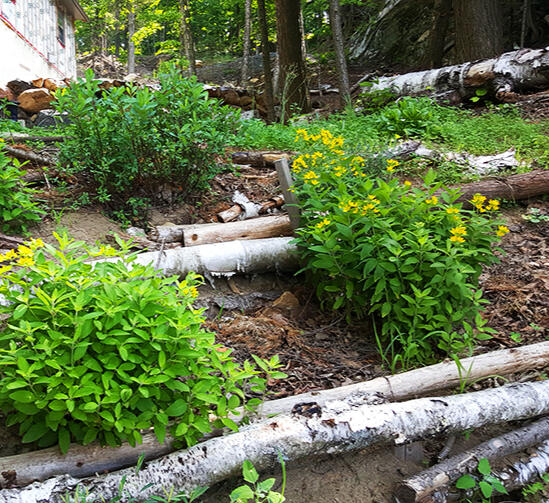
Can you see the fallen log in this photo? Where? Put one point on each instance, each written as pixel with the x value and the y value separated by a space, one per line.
pixel 254 228
pixel 199 234
pixel 510 188
pixel 84 461
pixel 522 70
pixel 259 159
pixel 10 242
pixel 17 137
pixel 336 427
pixel 225 259
pixel 27 156
pixel 423 486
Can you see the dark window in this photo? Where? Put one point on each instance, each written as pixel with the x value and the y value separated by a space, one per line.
pixel 61 26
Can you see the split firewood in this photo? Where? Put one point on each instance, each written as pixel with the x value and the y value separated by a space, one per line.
pixel 437 479
pixel 29 467
pixel 25 155
pixel 17 137
pixel 259 159
pixel 230 214
pixel 525 69
pixel 336 427
pixel 239 211
pixel 35 100
pixel 510 188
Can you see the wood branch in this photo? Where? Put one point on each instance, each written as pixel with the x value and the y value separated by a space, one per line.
pixel 254 228
pixel 526 69
pixel 422 487
pixel 259 159
pixel 200 234
pixel 510 188
pixel 237 212
pixel 10 241
pixel 17 137
pixel 84 461
pixel 230 214
pixel 27 156
pixel 253 256
pixel 336 427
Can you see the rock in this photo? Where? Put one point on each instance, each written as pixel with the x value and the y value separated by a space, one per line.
pixel 7 94
pixel 287 302
pixel 136 232
pixel 35 100
pixel 50 118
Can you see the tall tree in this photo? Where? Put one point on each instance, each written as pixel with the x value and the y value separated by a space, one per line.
pixel 339 47
pixel 442 11
pixel 264 35
pixel 246 44
pixel 186 37
pixel 479 29
pixel 293 76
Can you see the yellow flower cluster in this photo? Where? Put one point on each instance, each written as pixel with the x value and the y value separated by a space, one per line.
pixel 452 211
pixel 302 162
pixel 23 256
pixel 370 205
pixel 323 223
pixel 478 202
pixel 407 183
pixel 458 233
pixel 311 177
pixel 391 165
pixel 334 143
pixel 502 230
pixel 104 251
pixel 433 200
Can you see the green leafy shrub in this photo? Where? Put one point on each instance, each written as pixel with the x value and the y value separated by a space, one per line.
pixel 482 487
pixel 103 351
pixel 17 209
pixel 408 117
pixel 134 142
pixel 382 247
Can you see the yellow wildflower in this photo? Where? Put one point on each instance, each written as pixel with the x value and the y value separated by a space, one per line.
pixel 502 230
pixel 391 165
pixel 10 254
pixel 4 269
pixel 459 231
pixel 323 223
pixel 493 205
pixel 407 183
pixel 432 200
pixel 36 243
pixel 24 251
pixel 452 211
pixel 457 239
pixel 478 202
pixel 311 177
pixel 25 261
pixel 301 133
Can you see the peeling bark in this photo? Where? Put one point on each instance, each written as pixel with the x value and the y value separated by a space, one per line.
pixel 421 487
pixel 27 156
pixel 526 69
pixel 336 427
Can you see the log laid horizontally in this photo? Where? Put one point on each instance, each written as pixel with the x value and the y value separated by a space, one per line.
pixel 525 69
pixel 200 234
pixel 422 487
pixel 84 461
pixel 17 137
pixel 26 155
pixel 340 426
pixel 259 159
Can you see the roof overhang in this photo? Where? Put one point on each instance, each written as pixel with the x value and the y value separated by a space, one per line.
pixel 75 9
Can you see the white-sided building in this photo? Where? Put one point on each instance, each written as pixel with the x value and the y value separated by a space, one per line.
pixel 37 39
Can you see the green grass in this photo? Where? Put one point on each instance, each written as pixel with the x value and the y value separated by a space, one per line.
pixel 447 128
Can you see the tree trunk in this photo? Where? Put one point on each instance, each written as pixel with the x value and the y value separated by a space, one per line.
pixel 28 156
pixel 293 79
pixel 479 29
pixel 246 43
pixel 258 159
pixel 442 11
pixel 341 426
pixel 421 487
pixel 85 461
pixel 186 37
pixel 131 43
pixel 523 70
pixel 268 75
pixel 339 47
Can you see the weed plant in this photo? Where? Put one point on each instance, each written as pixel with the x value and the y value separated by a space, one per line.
pixel 17 207
pixel 107 349
pixel 409 256
pixel 131 142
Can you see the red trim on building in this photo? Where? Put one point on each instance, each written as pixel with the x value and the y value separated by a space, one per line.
pixel 22 37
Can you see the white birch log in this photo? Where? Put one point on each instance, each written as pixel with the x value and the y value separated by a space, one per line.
pixel 83 461
pixel 253 256
pixel 336 427
pixel 518 70
pixel 423 486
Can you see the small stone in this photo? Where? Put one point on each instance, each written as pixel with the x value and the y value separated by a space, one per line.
pixel 136 232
